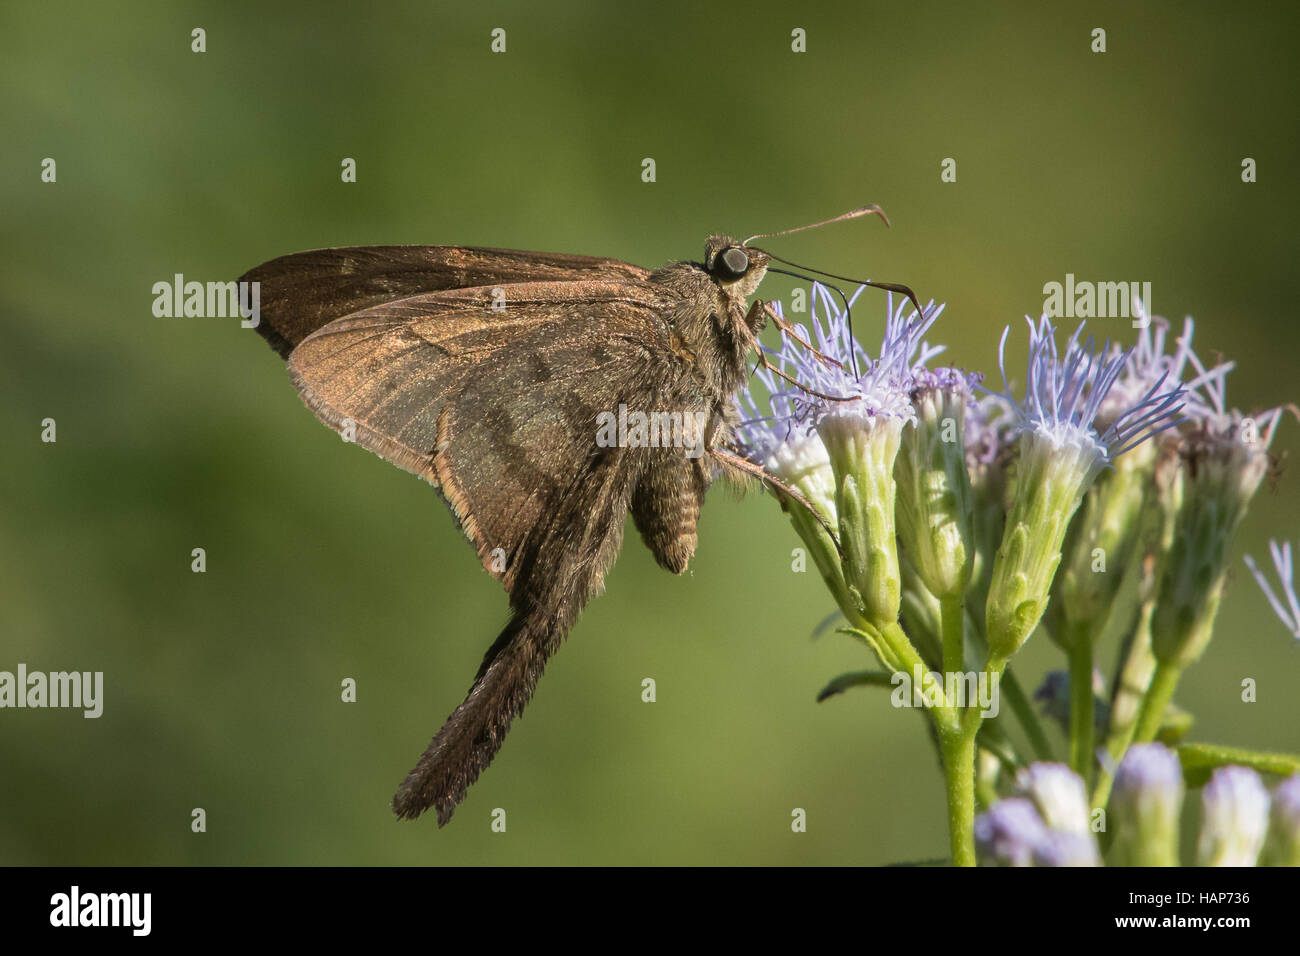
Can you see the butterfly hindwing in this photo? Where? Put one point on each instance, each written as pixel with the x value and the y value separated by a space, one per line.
pixel 495 408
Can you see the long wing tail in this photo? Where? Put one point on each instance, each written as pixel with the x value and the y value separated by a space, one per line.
pixel 562 564
pixel 474 732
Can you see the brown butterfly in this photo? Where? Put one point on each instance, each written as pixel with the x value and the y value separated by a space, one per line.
pixel 489 373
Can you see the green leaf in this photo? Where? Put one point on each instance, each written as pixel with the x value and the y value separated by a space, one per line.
pixel 872 640
pixel 855 679
pixel 1200 760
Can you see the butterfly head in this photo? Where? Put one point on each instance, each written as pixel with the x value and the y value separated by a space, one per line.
pixel 737 268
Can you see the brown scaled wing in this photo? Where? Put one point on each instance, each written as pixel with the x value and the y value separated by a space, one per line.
pixel 498 410
pixel 303 291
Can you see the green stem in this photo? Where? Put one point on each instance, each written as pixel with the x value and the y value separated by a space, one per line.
pixel 1081 704
pixel 958 746
pixel 952 616
pixel 1018 699
pixel 1156 701
pixel 986 793
pixel 1117 747
pixel 1133 671
pixel 959 778
pixel 910 662
pixel 1024 711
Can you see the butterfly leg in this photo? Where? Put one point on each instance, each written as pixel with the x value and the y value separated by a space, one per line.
pixel 736 465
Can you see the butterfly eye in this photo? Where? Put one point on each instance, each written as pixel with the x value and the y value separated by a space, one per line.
pixel 732 263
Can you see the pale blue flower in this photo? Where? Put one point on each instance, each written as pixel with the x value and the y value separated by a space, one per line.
pixel 1006 834
pixel 1287 608
pixel 862 386
pixel 1065 391
pixel 1151 361
pixel 1047 827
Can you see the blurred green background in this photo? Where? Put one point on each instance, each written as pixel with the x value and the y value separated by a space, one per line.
pixel 222 689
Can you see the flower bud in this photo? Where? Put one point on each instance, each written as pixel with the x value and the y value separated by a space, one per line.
pixel 1066 848
pixel 1098 547
pixel 934 492
pixel 1283 846
pixel 1006 834
pixel 1146 805
pixel 1223 463
pixel 988 462
pixel 1234 818
pixel 1050 482
pixel 1061 453
pixel 1059 794
pixel 1013 833
pixel 801 462
pixel 862 452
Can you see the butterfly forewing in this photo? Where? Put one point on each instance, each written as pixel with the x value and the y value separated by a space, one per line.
pixel 302 292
